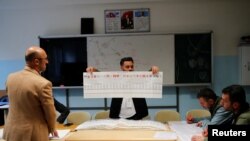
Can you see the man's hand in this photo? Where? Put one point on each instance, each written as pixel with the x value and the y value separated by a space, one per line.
pixel 197 138
pixel 155 69
pixel 189 119
pixel 91 69
pixel 55 134
pixel 200 137
pixel 205 132
pixel 199 124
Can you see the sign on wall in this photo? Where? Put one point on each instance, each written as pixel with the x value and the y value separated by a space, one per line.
pixel 127 20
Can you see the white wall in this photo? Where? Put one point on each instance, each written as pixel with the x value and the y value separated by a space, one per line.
pixel 21 23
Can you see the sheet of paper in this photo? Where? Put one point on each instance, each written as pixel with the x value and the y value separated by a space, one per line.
pixel 1 133
pixel 61 134
pixel 141 84
pixel 4 106
pixel 183 130
pixel 165 135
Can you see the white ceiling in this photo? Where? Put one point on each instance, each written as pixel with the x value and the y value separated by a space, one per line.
pixel 16 4
pixel 10 4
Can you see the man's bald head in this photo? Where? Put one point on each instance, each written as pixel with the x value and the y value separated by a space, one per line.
pixel 33 52
pixel 36 58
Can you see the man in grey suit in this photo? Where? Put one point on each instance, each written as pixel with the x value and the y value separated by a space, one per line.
pixel 32 114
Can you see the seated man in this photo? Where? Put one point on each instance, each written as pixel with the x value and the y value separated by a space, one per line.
pixel 208 100
pixel 128 108
pixel 233 99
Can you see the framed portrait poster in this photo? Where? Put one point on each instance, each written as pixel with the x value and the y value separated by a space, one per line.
pixel 127 20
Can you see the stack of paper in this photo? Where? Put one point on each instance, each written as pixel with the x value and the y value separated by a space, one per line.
pixel 122 124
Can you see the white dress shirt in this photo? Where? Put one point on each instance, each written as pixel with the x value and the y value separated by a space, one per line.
pixel 127 108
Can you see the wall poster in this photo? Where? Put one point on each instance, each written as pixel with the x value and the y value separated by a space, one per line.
pixel 127 20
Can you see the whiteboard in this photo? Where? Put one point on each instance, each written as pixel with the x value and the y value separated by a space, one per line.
pixel 105 52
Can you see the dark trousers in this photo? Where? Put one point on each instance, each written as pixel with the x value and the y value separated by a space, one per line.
pixel 1 117
pixel 63 110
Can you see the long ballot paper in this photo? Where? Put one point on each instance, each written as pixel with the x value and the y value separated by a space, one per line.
pixel 123 84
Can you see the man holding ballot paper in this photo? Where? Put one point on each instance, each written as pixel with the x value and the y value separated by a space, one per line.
pixel 127 107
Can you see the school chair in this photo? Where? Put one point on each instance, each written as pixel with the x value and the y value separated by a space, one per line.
pixel 78 117
pixel 198 113
pixel 146 117
pixel 167 115
pixel 101 115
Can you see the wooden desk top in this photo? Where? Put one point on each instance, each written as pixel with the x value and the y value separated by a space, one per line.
pixel 185 133
pixel 114 135
pixel 58 127
pixel 62 127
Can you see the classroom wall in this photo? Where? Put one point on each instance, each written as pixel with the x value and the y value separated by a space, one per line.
pixel 21 22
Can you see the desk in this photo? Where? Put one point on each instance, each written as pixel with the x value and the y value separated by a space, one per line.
pixel 122 130
pixel 115 135
pixel 58 127
pixel 182 131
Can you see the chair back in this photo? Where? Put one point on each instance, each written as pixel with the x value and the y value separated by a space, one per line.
pixel 167 115
pixel 78 117
pixel 101 115
pixel 146 117
pixel 198 113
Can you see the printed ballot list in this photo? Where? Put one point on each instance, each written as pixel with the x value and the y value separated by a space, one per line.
pixel 121 84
